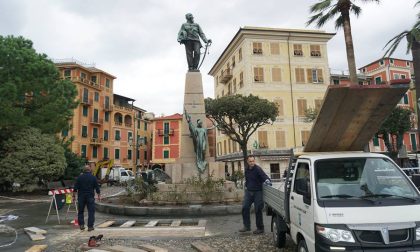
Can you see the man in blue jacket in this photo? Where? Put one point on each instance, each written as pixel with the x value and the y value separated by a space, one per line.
pixel 254 179
pixel 85 186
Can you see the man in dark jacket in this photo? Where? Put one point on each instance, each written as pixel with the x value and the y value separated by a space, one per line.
pixel 85 186
pixel 254 179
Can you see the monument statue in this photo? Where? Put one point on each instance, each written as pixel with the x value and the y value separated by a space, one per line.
pixel 199 137
pixel 189 35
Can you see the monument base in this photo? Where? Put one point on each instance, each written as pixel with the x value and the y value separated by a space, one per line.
pixel 180 171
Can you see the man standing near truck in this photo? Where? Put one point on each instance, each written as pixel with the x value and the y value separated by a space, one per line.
pixel 86 185
pixel 254 179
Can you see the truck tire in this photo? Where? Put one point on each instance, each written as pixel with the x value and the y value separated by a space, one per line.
pixel 302 246
pixel 279 237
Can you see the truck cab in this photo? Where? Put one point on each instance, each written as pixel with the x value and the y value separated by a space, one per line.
pixel 349 201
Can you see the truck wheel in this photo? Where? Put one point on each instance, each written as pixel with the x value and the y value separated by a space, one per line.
pixel 302 246
pixel 279 237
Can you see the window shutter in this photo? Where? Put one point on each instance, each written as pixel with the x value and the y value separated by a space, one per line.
pixel 280 139
pixel 309 75
pixel 319 74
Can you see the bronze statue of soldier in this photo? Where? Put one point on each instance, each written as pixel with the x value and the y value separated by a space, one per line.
pixel 189 35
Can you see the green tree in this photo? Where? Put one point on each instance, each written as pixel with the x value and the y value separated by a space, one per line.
pixel 311 114
pixel 393 128
pixel 240 116
pixel 326 10
pixel 74 162
pixel 412 37
pixel 31 91
pixel 30 156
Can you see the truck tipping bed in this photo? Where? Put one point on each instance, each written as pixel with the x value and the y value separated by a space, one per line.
pixel 274 197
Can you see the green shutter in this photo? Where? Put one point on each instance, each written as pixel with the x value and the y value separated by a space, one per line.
pixel 117 154
pixel 129 154
pixel 95 152
pixel 105 152
pixel 165 154
pixel 84 153
pixel 85 111
pixel 375 141
pixel 166 140
pixel 105 135
pixel 95 133
pixel 106 116
pixel 413 142
pixel 84 131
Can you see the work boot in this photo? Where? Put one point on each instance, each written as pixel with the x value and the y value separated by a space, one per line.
pixel 244 229
pixel 82 227
pixel 90 229
pixel 258 231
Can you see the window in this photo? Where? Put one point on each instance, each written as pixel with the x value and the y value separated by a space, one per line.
pixel 166 128
pixel 378 80
pixel 297 50
pixel 96 96
pixel 262 139
pixel 276 74
pixel 396 76
pixel 413 142
pixel 105 152
pixel 280 139
pixel 84 152
pixel 95 115
pixel 318 103
pixel 241 79
pixel 129 154
pixel 391 61
pixel 107 103
pixel 117 153
pixel 224 147
pixel 95 133
pixel 106 135
pixel 280 109
pixel 404 100
pixel 84 131
pixel 229 88
pixel 258 74
pixel 64 133
pixel 240 54
pixel 305 136
pixel 145 155
pixel 336 81
pixel 93 78
pixel 85 95
pixel 257 48
pixel 130 136
pixel 106 116
pixel 375 141
pixel 408 63
pixel 82 76
pixel 302 182
pixel 94 152
pixel 300 75
pixel 403 76
pixel 275 171
pixel 166 154
pixel 274 48
pixel 107 83
pixel 117 135
pixel 302 107
pixel 235 146
pixel 229 146
pixel 145 125
pixel 381 62
pixel 315 76
pixel 166 140
pixel 234 85
pixel 145 140
pixel 315 51
pixel 233 61
pixel 85 111
pixel 67 73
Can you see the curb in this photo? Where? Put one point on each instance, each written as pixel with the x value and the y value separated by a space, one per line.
pixel 191 210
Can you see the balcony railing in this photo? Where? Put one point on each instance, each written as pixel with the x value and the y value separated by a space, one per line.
pixel 118 123
pixel 87 82
pixel 128 125
pixel 123 108
pixel 96 141
pixel 226 76
pixel 96 121
pixel 108 107
pixel 85 101
pixel 162 132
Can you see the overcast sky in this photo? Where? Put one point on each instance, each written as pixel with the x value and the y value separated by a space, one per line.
pixel 136 40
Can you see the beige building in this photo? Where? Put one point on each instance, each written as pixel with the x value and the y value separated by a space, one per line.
pixel 288 67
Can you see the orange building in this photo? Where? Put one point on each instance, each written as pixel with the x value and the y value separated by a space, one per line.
pixel 103 122
pixel 383 71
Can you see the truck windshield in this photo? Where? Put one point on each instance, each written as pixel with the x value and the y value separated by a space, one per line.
pixel 361 178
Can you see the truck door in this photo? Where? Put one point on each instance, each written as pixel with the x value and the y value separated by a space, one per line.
pixel 301 205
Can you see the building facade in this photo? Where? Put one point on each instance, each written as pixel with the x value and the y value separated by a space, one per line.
pixel 288 67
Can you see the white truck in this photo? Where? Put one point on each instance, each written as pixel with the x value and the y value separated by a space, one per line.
pixel 345 201
pixel 118 174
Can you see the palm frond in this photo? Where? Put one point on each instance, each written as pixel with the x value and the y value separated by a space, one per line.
pixel 393 43
pixel 320 6
pixel 418 2
pixel 339 22
pixel 377 1
pixel 356 10
pixel 314 18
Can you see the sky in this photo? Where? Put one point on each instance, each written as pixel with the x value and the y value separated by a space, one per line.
pixel 136 40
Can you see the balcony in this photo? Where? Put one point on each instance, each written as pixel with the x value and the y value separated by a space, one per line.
pixel 117 123
pixel 226 76
pixel 108 108
pixel 96 121
pixel 87 82
pixel 123 108
pixel 96 141
pixel 128 125
pixel 86 102
pixel 162 132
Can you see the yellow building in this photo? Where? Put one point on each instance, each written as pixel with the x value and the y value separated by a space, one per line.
pixel 288 67
pixel 103 122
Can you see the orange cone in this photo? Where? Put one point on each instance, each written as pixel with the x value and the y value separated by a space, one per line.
pixel 76 222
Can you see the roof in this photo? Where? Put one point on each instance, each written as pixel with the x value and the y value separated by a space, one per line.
pixel 124 97
pixel 373 62
pixel 74 63
pixel 266 31
pixel 175 116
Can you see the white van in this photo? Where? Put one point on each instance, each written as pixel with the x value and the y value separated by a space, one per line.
pixel 121 174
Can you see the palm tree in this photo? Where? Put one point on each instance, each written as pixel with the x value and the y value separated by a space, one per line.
pixel 325 10
pixel 413 43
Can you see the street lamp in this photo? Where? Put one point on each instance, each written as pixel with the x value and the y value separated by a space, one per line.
pixel 135 146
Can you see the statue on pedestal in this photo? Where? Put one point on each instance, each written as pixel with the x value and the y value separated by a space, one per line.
pixel 199 136
pixel 189 35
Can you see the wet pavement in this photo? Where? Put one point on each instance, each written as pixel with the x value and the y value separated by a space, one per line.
pixel 221 231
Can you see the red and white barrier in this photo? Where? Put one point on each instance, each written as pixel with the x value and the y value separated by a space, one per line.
pixel 60 191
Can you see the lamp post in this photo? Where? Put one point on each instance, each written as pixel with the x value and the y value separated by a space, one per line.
pixel 136 145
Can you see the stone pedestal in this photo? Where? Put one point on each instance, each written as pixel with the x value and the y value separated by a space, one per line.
pixel 185 166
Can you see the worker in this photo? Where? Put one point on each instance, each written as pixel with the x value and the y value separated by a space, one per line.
pixel 85 186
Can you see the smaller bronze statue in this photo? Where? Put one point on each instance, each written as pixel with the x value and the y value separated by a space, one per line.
pixel 189 35
pixel 199 137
